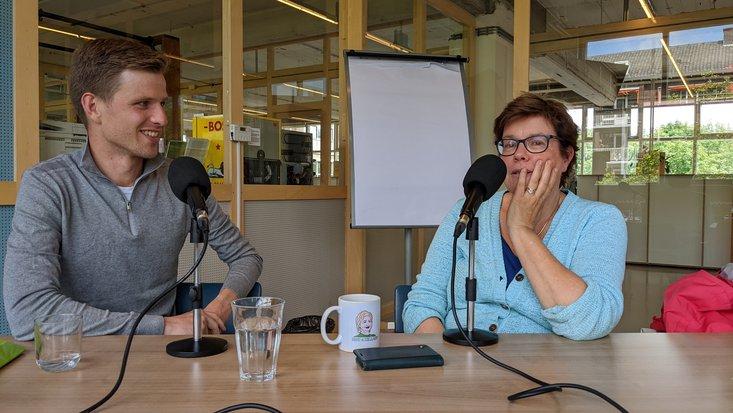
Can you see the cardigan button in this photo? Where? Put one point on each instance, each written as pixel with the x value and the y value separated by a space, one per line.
pixel 492 327
pixel 519 277
pixel 504 306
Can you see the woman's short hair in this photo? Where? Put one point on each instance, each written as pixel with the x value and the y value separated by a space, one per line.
pixel 528 105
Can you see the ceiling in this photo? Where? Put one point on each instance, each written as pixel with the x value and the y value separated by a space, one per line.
pixel 197 25
pixel 579 13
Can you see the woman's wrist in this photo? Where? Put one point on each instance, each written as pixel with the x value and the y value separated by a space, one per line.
pixel 520 234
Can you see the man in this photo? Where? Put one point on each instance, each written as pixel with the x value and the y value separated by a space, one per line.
pixel 98 232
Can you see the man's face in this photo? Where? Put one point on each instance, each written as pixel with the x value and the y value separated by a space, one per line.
pixel 131 122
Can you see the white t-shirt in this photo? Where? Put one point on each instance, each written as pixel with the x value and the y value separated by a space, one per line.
pixel 127 191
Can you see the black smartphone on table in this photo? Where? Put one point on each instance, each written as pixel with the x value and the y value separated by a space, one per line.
pixel 397 357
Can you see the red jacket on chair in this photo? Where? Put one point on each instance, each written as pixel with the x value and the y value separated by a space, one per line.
pixel 697 303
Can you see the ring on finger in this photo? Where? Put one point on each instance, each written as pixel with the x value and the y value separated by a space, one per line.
pixel 530 190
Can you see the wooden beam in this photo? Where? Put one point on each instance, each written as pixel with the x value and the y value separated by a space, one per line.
pixel 172 46
pixel 520 78
pixel 454 11
pixel 419 19
pixel 292 192
pixel 295 107
pixel 352 27
pixel 330 73
pixel 571 39
pixel 232 33
pixel 222 192
pixel 8 192
pixel 326 119
pixel 317 69
pixel 26 88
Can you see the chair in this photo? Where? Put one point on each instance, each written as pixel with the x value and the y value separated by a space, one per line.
pixel 209 291
pixel 400 297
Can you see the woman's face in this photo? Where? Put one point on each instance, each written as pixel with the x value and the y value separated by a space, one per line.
pixel 524 128
pixel 366 325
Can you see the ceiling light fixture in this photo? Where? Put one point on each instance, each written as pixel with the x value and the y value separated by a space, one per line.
pixel 677 68
pixel 199 102
pixel 170 56
pixel 304 119
pixel 309 11
pixel 253 111
pixel 650 15
pixel 647 10
pixel 308 90
pixel 368 35
pixel 387 43
pixel 78 36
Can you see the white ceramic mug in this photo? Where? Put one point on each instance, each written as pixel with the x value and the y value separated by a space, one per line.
pixel 358 322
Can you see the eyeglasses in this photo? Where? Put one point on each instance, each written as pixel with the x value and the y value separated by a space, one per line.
pixel 533 144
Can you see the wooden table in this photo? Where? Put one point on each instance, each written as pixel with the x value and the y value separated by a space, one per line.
pixel 643 372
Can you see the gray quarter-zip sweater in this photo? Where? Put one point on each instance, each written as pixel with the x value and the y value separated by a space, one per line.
pixel 78 246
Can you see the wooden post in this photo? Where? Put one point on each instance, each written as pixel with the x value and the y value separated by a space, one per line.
pixel 520 78
pixel 419 23
pixel 171 45
pixel 326 117
pixel 352 26
pixel 26 89
pixel 232 46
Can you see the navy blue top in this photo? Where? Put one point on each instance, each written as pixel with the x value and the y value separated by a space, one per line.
pixel 511 262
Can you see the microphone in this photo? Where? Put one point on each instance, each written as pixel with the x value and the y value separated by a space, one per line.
pixel 482 180
pixel 191 185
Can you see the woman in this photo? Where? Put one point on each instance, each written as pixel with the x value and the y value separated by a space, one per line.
pixel 546 260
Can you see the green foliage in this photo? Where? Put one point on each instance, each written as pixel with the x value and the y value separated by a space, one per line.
pixel 675 129
pixel 715 156
pixel 587 158
pixel 714 128
pixel 678 155
pixel 714 88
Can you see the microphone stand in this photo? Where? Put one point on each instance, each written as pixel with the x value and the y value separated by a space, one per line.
pixel 197 346
pixel 479 337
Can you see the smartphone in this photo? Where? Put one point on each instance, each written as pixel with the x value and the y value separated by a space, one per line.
pixel 397 357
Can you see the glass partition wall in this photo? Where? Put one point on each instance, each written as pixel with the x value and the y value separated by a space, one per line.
pixel 188 33
pixel 291 84
pixel 652 98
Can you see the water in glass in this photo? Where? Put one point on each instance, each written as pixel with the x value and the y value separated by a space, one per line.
pixel 258 341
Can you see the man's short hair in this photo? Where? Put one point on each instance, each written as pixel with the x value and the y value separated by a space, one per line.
pixel 97 65
pixel 528 105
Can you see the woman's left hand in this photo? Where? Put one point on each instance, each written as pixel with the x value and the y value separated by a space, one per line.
pixel 528 199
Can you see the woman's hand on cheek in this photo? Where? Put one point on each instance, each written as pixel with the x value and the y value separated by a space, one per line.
pixel 529 196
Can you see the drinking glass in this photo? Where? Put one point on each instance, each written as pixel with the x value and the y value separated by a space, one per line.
pixel 58 341
pixel 258 322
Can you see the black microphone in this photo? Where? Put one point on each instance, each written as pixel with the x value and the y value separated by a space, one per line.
pixel 482 180
pixel 190 183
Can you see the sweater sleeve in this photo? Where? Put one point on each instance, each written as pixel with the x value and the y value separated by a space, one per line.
pixel 600 260
pixel 32 272
pixel 245 265
pixel 428 297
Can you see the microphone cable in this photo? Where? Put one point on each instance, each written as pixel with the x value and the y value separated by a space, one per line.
pixel 543 386
pixel 134 329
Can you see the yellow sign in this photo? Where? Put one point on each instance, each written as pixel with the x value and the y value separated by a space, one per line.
pixel 211 129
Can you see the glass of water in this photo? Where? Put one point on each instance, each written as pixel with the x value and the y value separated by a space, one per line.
pixel 258 322
pixel 58 341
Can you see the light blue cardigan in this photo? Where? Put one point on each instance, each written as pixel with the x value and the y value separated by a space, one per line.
pixel 587 237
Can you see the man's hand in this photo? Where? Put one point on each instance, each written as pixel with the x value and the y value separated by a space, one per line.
pixel 222 304
pixel 183 324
